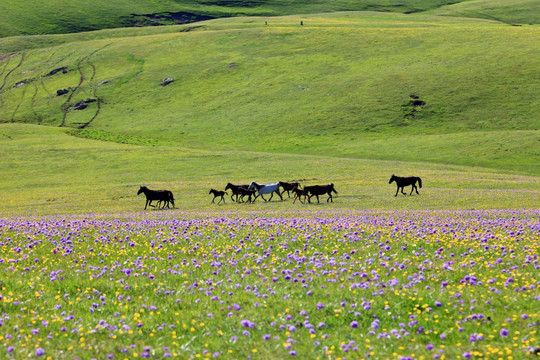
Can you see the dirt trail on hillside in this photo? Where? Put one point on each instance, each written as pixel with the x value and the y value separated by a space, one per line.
pixel 11 71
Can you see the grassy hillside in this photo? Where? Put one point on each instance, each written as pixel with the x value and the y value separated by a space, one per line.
pixel 512 12
pixel 344 84
pixel 348 98
pixel 24 17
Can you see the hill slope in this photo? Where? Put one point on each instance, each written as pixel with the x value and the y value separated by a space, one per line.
pixel 23 17
pixel 364 85
pixel 511 12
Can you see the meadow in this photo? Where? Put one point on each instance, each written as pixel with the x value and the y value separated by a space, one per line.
pixel 349 285
pixel 329 102
pixel 26 17
pixel 46 171
pixel 443 90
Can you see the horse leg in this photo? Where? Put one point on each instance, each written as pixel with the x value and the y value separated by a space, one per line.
pixel 222 198
pixel 329 198
pixel 255 198
pixel 262 197
pixel 271 196
pixel 416 188
pixel 403 190
pixel 281 197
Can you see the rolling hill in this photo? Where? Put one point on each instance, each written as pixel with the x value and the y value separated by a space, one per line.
pixel 343 83
pixel 28 17
pixel 376 90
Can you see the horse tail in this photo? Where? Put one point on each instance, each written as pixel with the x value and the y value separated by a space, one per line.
pixel 171 198
pixel 419 182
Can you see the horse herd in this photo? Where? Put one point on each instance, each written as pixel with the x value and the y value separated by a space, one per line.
pixel 254 190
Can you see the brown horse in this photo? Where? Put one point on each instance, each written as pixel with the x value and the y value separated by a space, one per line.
pixel 244 191
pixel 298 193
pixel 234 190
pixel 218 193
pixel 288 186
pixel 316 190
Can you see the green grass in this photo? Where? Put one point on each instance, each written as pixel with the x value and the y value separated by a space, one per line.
pixel 329 101
pixel 512 12
pixel 28 17
pixel 46 171
pixel 340 85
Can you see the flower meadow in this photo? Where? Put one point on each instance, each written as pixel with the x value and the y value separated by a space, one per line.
pixel 392 285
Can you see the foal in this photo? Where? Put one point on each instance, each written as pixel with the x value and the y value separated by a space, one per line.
pixel 216 194
pixel 298 193
pixel 243 191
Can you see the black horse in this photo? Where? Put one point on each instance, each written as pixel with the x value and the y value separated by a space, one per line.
pixel 401 182
pixel 216 194
pixel 244 191
pixel 234 190
pixel 288 186
pixel 159 195
pixel 316 190
pixel 166 202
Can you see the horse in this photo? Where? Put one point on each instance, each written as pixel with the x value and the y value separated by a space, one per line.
pixel 168 201
pixel 288 186
pixel 234 190
pixel 298 193
pixel 243 191
pixel 316 190
pixel 160 195
pixel 401 182
pixel 265 189
pixel 216 194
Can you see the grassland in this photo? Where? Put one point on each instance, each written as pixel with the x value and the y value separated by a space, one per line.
pixel 27 17
pixel 46 171
pixel 515 12
pixel 329 101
